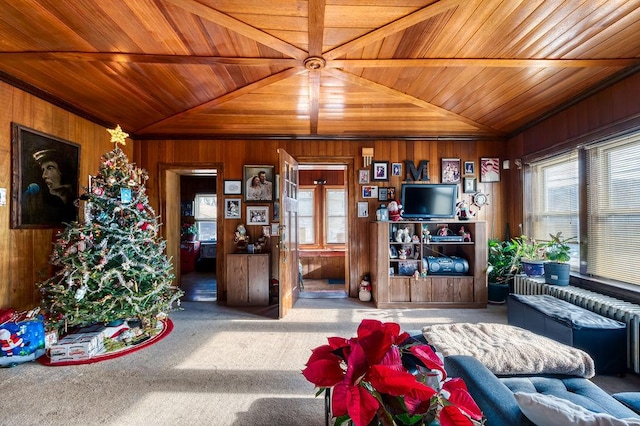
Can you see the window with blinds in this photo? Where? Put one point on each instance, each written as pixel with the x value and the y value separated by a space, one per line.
pixel 306 216
pixel 612 186
pixel 206 216
pixel 322 216
pixel 554 198
pixel 336 215
pixel 613 171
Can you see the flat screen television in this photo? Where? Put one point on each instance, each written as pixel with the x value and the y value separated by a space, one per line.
pixel 425 201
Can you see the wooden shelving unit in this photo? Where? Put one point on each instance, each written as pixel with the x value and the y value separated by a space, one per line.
pixel 393 281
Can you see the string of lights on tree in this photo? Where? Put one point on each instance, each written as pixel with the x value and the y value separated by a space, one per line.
pixel 112 265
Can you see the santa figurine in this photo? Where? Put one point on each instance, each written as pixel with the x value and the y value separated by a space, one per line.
pixel 395 210
pixel 9 341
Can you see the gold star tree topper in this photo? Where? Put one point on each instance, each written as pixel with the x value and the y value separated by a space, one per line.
pixel 117 135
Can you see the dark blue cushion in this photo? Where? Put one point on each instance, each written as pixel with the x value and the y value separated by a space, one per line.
pixel 568 313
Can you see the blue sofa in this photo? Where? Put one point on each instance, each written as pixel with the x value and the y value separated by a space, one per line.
pixel 495 395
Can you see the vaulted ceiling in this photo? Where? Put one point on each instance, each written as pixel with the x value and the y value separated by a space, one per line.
pixel 317 68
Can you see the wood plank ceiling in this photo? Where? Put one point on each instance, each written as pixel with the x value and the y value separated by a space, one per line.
pixel 317 68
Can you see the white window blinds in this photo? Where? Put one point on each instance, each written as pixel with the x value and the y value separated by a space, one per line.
pixel 554 190
pixel 613 170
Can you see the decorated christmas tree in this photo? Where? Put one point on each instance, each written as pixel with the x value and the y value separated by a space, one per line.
pixel 112 266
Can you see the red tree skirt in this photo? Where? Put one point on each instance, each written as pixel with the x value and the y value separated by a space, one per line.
pixel 167 327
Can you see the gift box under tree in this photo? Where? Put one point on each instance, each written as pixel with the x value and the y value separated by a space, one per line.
pixel 21 337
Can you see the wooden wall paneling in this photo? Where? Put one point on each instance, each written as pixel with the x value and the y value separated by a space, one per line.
pixel 29 249
pixel 172 220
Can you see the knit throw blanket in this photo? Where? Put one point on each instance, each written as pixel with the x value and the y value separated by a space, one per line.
pixel 508 350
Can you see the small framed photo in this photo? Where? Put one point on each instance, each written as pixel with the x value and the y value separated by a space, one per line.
pixel 490 170
pixel 363 176
pixel 363 209
pixel 258 215
pixel 396 169
pixel 393 252
pixel 450 170
pixel 391 193
pixel 369 191
pixel 232 208
pixel 380 170
pixel 258 181
pixel 276 210
pixel 383 193
pixel 232 187
pixel 275 229
pixel 470 185
pixel 469 168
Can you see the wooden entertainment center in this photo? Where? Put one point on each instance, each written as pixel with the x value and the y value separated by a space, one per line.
pixel 394 284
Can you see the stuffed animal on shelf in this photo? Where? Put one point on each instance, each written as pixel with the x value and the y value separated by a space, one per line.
pixel 463 211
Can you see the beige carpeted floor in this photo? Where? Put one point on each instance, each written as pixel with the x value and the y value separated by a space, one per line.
pixel 220 366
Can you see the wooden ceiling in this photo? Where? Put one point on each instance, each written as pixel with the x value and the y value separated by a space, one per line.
pixel 317 68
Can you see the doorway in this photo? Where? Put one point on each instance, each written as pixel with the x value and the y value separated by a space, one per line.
pixel 322 230
pixel 198 254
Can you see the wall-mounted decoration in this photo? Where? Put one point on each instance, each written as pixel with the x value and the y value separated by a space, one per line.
pixel 369 192
pixel 469 168
pixel 232 187
pixel 421 173
pixel 275 229
pixel 380 170
pixel 44 179
pixel 396 169
pixel 363 209
pixel 391 193
pixel 470 185
pixel 450 170
pixel 489 170
pixel 232 208
pixel 257 215
pixel 363 176
pixel 383 194
pixel 258 181
pixel 276 211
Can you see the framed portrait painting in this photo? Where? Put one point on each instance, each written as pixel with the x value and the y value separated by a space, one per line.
pixel 258 183
pixel 489 170
pixel 44 179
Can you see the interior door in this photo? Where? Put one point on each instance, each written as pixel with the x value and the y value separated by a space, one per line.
pixel 288 247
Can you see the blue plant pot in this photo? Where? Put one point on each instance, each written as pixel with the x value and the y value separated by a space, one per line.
pixel 557 273
pixel 533 268
pixel 498 293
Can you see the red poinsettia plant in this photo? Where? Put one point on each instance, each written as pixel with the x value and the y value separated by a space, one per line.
pixel 385 377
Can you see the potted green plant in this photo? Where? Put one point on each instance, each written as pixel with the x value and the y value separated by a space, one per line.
pixel 557 252
pixel 531 255
pixel 189 231
pixel 502 266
